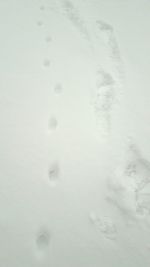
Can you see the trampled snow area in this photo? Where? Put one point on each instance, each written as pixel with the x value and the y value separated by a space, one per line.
pixel 74 133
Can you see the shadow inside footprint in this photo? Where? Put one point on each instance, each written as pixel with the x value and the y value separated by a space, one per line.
pixel 54 173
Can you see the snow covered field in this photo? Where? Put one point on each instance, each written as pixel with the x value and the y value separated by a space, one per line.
pixel 74 134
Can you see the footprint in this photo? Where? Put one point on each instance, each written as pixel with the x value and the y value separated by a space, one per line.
pixel 54 173
pixel 43 239
pixel 105 225
pixel 109 91
pixel 110 38
pixel 108 35
pixel 103 26
pixel 46 62
pixel 53 123
pixel 73 15
pixel 104 100
pixel 58 88
pixel 105 79
pixel 129 187
pixel 48 39
pixel 137 167
pixel 40 23
pixel 42 7
pixel 143 203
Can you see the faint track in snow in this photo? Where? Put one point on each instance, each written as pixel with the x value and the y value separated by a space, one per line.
pixel 109 37
pixel 129 188
pixel 105 225
pixel 108 91
pixel 73 15
pixel 104 100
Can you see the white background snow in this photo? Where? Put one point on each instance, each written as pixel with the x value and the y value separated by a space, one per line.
pixel 74 133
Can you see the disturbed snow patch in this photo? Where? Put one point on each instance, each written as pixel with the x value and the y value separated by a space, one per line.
pixel 129 187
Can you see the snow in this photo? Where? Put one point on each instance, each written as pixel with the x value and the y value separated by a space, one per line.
pixel 75 153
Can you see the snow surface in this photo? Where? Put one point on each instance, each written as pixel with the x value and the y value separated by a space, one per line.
pixel 74 135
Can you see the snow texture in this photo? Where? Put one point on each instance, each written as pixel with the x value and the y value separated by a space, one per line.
pixel 74 142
